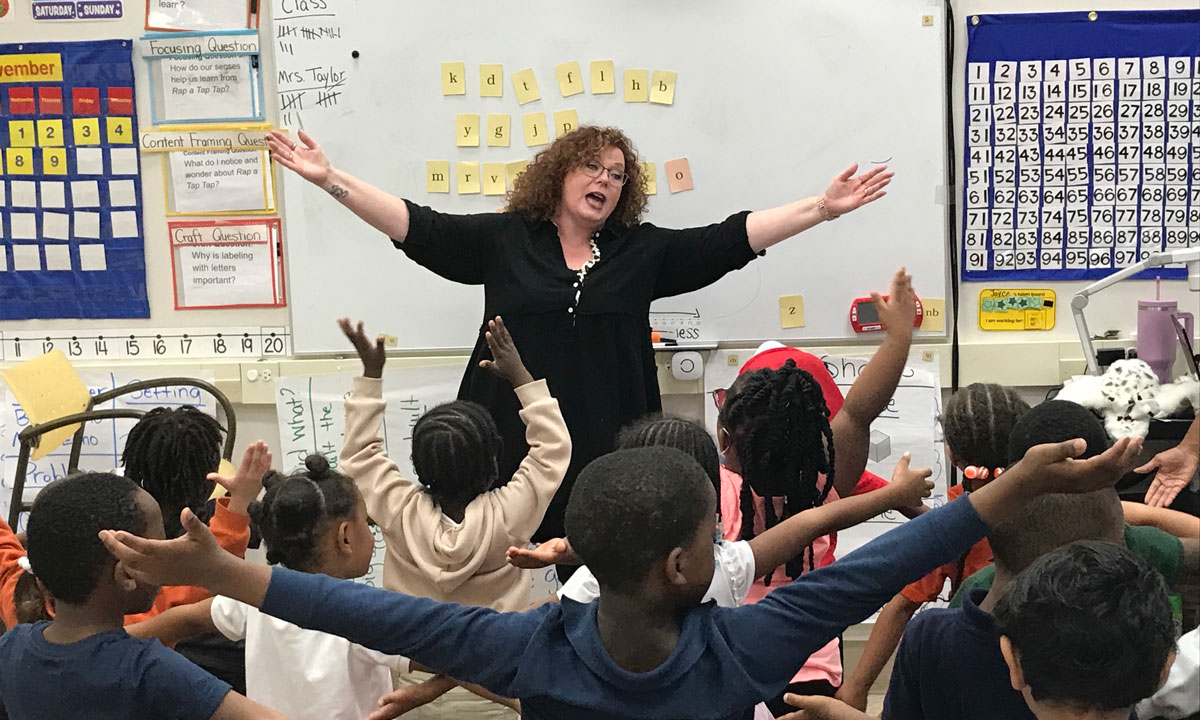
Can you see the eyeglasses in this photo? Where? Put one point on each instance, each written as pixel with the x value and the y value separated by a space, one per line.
pixel 718 397
pixel 593 169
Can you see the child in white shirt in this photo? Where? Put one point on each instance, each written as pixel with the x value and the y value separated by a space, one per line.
pixel 315 521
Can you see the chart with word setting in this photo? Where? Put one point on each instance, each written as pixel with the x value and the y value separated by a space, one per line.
pixel 1082 143
pixel 70 189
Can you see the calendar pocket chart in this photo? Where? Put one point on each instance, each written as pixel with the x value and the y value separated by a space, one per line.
pixel 1082 143
pixel 70 187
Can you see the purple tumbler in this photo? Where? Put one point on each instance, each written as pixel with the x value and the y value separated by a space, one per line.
pixel 1157 342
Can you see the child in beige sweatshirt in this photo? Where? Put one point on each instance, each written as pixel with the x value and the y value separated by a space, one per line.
pixel 447 536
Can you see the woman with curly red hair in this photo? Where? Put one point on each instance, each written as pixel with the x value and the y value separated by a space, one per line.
pixel 573 269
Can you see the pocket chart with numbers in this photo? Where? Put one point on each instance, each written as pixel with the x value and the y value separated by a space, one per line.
pixel 1082 143
pixel 70 190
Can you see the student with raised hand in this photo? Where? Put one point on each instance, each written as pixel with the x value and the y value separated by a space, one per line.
pixel 976 423
pixel 949 664
pixel 647 648
pixel 446 537
pixel 792 442
pixel 83 664
pixel 21 600
pixel 739 562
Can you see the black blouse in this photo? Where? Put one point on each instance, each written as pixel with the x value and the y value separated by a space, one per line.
pixel 590 343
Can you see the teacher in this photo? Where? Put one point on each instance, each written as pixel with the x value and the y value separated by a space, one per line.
pixel 572 269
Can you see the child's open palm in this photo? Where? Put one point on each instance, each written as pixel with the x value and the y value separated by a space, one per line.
pixel 552 552
pixel 191 559
pixel 1055 470
pixel 371 353
pixel 246 483
pixel 506 360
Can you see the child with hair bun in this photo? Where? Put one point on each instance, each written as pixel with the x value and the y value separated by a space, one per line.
pixel 313 520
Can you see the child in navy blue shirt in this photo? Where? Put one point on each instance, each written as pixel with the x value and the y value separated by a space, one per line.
pixel 642 520
pixel 83 664
pixel 1086 632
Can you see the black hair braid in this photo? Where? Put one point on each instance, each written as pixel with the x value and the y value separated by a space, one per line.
pixel 455 452
pixel 170 452
pixel 295 507
pixel 978 421
pixel 779 423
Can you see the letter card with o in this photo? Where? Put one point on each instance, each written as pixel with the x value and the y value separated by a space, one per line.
pixel 70 189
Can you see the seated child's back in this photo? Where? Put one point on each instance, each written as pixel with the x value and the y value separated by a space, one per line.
pixel 447 536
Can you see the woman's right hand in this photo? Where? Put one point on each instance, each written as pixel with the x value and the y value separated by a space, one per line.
pixel 372 354
pixel 305 158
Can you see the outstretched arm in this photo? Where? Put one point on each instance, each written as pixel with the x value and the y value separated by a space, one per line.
pixel 1179 524
pixel 873 389
pixel 795 620
pixel 846 193
pixel 788 539
pixel 472 644
pixel 178 623
pixel 379 209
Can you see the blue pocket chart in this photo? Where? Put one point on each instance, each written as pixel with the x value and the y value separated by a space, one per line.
pixel 70 188
pixel 1081 148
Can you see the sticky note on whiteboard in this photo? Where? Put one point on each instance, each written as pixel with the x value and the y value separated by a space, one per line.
pixel 791 311
pixel 934 319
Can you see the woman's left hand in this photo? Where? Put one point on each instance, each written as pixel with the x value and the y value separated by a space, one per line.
pixel 848 193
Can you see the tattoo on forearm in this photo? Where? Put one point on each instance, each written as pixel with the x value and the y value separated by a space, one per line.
pixel 338 191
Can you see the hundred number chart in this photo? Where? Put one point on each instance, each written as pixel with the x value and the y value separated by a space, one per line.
pixel 1082 147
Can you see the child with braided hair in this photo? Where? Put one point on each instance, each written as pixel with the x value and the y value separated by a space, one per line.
pixel 447 536
pixel 976 424
pixel 790 439
pixel 313 520
pixel 173 454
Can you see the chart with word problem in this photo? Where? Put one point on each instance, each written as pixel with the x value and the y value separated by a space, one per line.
pixel 1081 145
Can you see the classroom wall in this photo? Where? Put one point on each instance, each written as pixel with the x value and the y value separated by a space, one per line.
pixel 158 257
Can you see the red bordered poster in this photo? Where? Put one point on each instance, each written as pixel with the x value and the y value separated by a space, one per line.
pixel 220 264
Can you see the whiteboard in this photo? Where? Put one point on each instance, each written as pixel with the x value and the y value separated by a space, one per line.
pixel 773 99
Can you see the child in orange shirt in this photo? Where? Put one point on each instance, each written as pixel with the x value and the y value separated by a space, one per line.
pixel 172 453
pixel 976 424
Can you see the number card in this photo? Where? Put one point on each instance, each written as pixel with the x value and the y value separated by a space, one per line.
pixel 70 186
pixel 227 264
pixel 1080 146
pixel 204 77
